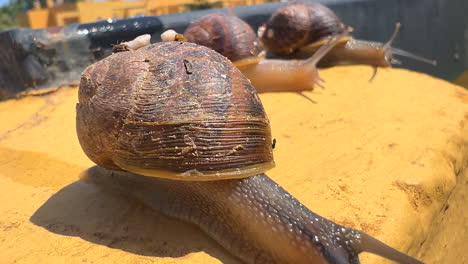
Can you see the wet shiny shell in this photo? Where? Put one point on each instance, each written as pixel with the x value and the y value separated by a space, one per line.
pixel 226 34
pixel 298 24
pixel 175 110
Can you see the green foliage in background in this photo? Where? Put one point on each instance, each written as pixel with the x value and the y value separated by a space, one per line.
pixel 8 14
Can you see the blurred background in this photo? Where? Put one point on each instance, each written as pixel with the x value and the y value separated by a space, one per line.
pixel 47 13
pixel 47 43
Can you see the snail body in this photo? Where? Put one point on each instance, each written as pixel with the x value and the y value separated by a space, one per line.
pixel 166 130
pixel 235 39
pixel 297 30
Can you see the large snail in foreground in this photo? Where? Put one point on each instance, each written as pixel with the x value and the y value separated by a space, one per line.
pixel 298 29
pixel 235 39
pixel 177 126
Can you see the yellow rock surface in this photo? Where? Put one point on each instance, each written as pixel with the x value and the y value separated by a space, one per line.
pixel 383 157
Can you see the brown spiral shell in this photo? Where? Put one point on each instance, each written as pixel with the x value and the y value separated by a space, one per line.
pixel 175 110
pixel 298 24
pixel 226 34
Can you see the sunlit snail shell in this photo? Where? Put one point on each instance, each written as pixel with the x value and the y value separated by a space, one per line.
pixel 185 116
pixel 157 114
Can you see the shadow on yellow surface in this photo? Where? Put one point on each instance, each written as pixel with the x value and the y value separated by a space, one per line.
pixel 82 210
pixel 18 165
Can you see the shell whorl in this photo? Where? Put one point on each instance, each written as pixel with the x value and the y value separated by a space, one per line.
pixel 226 34
pixel 175 110
pixel 299 24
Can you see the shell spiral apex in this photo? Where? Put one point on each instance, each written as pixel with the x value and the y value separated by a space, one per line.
pixel 175 110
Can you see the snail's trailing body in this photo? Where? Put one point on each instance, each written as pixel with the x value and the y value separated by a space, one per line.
pixel 183 112
pixel 298 29
pixel 254 218
pixel 235 39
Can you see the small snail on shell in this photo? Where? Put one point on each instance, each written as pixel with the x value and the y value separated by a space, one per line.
pixel 298 29
pixel 138 42
pixel 235 39
pixel 177 126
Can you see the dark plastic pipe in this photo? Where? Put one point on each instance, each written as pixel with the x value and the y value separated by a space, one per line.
pixel 43 58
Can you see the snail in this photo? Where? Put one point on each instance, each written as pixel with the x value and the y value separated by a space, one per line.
pixel 177 126
pixel 298 29
pixel 138 42
pixel 235 39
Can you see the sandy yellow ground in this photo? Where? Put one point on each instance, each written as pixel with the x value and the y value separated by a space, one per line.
pixel 387 157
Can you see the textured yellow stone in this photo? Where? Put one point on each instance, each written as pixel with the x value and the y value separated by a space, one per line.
pixel 379 156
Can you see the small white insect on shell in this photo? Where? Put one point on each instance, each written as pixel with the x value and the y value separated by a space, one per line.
pixel 138 42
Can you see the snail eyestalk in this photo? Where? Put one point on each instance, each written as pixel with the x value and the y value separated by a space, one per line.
pixel 323 51
pixel 407 54
pixel 390 51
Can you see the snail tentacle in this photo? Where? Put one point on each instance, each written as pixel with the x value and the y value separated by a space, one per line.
pixel 389 51
pixel 395 51
pixel 312 62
